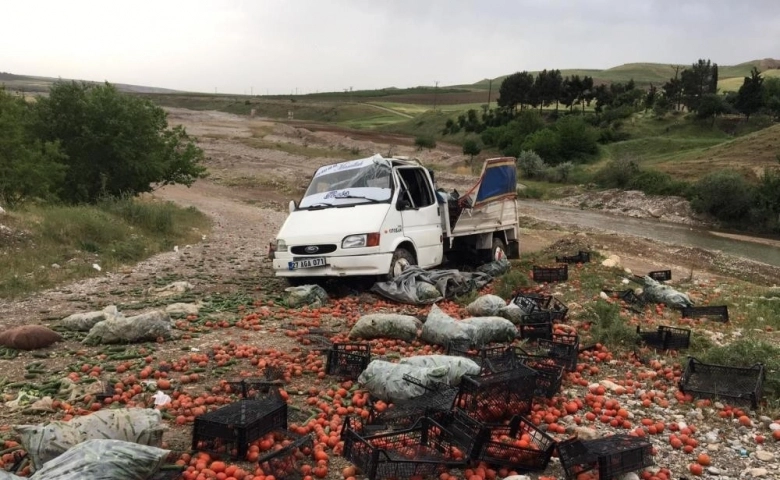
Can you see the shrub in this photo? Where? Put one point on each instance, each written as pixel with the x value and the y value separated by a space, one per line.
pixel 724 194
pixel 559 173
pixel 617 173
pixel 530 164
pixel 424 141
pixel 608 327
pixel 545 143
pixel 653 182
pixel 576 139
pixel 530 192
pixel 471 148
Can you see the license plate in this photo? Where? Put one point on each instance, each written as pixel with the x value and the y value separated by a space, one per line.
pixel 306 263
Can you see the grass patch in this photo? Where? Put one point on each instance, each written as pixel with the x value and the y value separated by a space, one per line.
pixel 301 150
pixel 113 233
pixel 251 181
pixel 512 281
pixel 608 327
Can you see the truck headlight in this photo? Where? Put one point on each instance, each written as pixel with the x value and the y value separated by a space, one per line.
pixel 361 240
pixel 281 245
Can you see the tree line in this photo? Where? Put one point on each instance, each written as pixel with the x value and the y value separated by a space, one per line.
pixel 84 142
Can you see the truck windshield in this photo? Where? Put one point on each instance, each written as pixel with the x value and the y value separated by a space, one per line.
pixel 350 183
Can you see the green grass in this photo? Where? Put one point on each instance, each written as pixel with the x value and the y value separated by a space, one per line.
pixel 609 327
pixel 113 233
pixel 747 352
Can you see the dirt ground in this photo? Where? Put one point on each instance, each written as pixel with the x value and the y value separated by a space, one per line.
pixel 231 262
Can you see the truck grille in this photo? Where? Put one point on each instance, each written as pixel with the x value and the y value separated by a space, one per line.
pixel 302 249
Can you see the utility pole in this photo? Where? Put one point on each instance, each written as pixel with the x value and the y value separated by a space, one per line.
pixel 490 90
pixel 435 94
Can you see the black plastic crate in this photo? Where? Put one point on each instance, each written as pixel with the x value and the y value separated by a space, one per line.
pixel 436 404
pixel 505 453
pixel 581 257
pixel 666 338
pixel 557 309
pixel 562 348
pixel 425 449
pixel 479 356
pixel 528 303
pixel 348 360
pixel 660 275
pixel 719 312
pixel 635 302
pixel 551 274
pixel 169 472
pixel 549 374
pixel 253 388
pixel 108 392
pixel 286 463
pixel 496 396
pixel 612 456
pixel 535 331
pixel 467 432
pixel 232 428
pixel 742 384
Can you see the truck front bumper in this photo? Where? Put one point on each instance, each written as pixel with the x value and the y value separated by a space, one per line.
pixel 341 266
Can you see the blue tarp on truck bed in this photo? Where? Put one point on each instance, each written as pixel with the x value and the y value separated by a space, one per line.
pixel 498 180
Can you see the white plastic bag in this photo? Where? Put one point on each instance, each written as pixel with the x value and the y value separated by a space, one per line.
pixel 385 380
pixel 441 329
pixel 104 460
pixel 383 325
pixel 46 442
pixel 456 366
pixel 486 306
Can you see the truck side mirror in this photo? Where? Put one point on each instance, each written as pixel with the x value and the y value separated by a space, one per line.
pixel 292 206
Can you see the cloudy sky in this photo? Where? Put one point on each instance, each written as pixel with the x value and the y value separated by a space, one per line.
pixel 317 45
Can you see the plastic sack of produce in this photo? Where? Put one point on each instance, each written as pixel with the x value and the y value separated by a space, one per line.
pixel 386 325
pixel 456 366
pixel 441 329
pixel 104 460
pixel 311 295
pixel 486 330
pixel 46 442
pixel 656 292
pixel 149 326
pixel 385 380
pixel 486 306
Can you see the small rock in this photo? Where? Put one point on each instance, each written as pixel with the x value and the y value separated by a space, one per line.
pixel 713 470
pixel 774 426
pixel 718 405
pixel 55 266
pixel 765 456
pixel 517 477
pixel 756 472
pixel 630 476
pixel 603 296
pixel 713 447
pixel 625 281
pixel 764 419
pixel 628 271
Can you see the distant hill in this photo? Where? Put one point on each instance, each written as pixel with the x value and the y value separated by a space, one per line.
pixel 656 73
pixel 27 83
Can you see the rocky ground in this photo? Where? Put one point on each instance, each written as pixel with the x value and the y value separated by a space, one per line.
pixel 241 323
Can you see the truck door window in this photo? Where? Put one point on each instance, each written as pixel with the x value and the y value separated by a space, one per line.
pixel 419 191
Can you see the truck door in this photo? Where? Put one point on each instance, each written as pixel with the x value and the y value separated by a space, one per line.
pixel 420 215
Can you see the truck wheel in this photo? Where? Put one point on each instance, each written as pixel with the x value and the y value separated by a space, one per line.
pixel 498 251
pixel 402 259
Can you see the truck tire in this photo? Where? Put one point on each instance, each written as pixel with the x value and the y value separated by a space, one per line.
pixel 402 259
pixel 498 251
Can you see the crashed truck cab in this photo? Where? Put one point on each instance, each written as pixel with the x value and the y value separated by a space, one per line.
pixel 375 216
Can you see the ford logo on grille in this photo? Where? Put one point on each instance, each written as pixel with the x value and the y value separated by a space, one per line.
pixel 312 249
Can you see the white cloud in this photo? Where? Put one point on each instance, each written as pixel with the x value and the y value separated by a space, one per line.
pixel 330 45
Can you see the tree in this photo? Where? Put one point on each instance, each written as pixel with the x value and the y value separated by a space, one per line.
pixel 471 148
pixel 530 164
pixel 515 90
pixel 29 168
pixel 603 97
pixel 540 90
pixel 576 138
pixel 652 94
pixel 571 91
pixel 710 106
pixel 115 143
pixel 725 194
pixel 554 87
pixel 673 89
pixel 750 97
pixel 701 79
pixel 424 141
pixel 586 92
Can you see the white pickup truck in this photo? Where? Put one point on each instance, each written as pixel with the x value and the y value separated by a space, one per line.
pixel 376 216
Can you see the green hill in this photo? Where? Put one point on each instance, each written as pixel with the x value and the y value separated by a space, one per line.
pixel 656 73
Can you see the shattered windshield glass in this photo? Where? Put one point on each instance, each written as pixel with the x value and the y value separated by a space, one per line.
pixel 368 180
